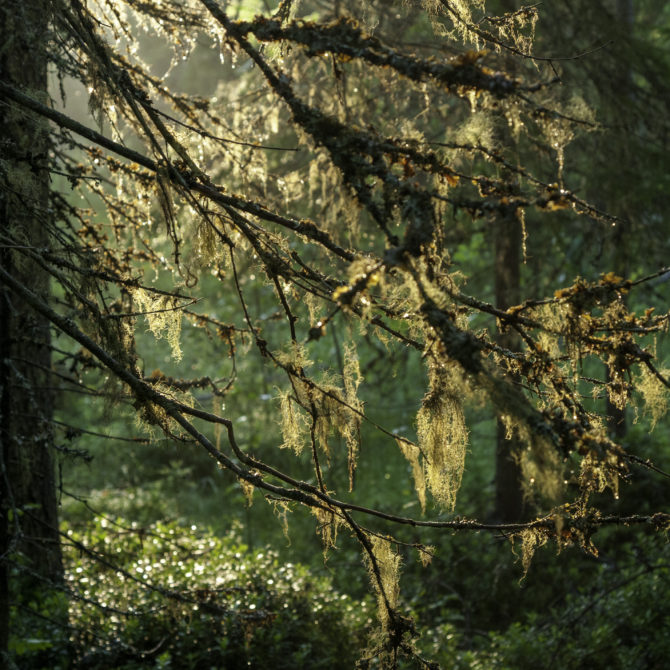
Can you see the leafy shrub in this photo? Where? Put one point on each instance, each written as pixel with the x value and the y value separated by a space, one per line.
pixel 170 597
pixel 620 622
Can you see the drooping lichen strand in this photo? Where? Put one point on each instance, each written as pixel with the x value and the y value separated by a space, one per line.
pixel 248 489
pixel 560 131
pixel 531 540
pixel 336 411
pixel 293 357
pixel 153 419
pixel 334 408
pixel 327 526
pixel 387 582
pixel 540 462
pixel 459 15
pixel 654 394
pixel 281 510
pixel 350 428
pixel 442 436
pixel 207 248
pixel 412 453
pixel 598 473
pixel 293 424
pixel 163 315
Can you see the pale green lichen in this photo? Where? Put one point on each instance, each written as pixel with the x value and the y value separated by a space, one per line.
pixel 442 436
pixel 654 393
pixel 163 315
pixel 386 579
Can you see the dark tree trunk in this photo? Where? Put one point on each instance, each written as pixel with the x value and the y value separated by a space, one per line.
pixel 616 416
pixel 509 499
pixel 509 502
pixel 28 505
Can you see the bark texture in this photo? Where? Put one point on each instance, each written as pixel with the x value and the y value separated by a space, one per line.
pixel 509 500
pixel 28 505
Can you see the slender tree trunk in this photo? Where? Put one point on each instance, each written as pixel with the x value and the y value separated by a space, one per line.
pixel 509 500
pixel 616 416
pixel 28 506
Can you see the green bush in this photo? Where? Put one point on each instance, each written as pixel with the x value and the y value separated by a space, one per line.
pixel 170 597
pixel 619 622
pixel 165 596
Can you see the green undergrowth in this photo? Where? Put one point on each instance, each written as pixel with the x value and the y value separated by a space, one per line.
pixel 166 596
pixel 614 616
pixel 171 596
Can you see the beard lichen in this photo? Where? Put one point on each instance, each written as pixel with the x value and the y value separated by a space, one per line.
pixel 412 453
pixel 654 394
pixel 328 523
pixel 163 315
pixel 248 490
pixel 385 576
pixel 331 403
pixel 442 435
pixel 350 427
pixel 599 472
pixel 539 461
pixel 293 424
pixel 531 540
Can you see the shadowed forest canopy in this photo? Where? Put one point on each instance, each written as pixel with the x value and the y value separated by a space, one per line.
pixel 390 271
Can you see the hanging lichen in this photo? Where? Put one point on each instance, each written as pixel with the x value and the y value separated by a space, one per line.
pixel 329 180
pixel 384 576
pixel 412 453
pixel 293 424
pixel 281 510
pixel 333 413
pixel 654 393
pixel 560 130
pixel 351 426
pixel 426 554
pixel 163 315
pixel 248 490
pixel 598 473
pixel 542 469
pixel 442 436
pixel 531 540
pixel 328 523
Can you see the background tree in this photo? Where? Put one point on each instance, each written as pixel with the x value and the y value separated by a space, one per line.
pixel 330 181
pixel 28 509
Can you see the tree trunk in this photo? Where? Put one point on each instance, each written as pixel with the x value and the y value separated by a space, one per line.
pixel 28 505
pixel 509 500
pixel 616 416
pixel 509 503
